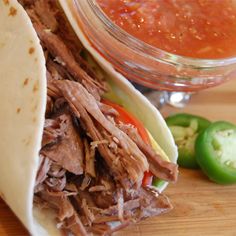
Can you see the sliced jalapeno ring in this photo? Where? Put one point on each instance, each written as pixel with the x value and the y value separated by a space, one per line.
pixel 216 152
pixel 185 129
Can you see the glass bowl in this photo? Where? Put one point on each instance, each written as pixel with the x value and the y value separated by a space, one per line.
pixel 145 64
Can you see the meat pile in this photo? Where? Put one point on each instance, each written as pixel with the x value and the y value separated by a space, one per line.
pixel 91 167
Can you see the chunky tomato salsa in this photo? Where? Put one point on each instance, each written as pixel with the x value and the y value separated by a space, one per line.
pixel 196 28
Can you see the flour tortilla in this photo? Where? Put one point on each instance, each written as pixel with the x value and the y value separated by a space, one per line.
pixel 23 101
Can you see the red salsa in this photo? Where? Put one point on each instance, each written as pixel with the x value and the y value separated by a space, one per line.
pixel 192 28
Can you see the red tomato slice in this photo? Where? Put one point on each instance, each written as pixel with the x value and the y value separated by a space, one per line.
pixel 127 118
pixel 147 178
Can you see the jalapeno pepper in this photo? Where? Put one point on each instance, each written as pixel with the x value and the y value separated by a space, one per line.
pixel 216 152
pixel 185 129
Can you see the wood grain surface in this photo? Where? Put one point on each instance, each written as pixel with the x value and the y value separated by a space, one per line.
pixel 200 206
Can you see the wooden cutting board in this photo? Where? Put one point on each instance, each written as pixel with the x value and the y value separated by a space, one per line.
pixel 200 206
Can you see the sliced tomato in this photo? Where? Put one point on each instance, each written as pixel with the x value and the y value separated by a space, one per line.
pixel 147 178
pixel 126 118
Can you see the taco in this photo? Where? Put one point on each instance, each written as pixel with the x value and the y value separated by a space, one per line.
pixel 81 149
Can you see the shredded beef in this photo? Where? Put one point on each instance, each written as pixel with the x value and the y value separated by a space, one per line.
pixel 52 91
pixel 49 106
pixel 56 71
pixel 68 147
pixel 44 167
pixel 66 213
pixel 91 167
pixel 75 226
pixel 43 9
pixel 108 110
pixel 133 162
pixel 56 171
pixel 160 168
pixel 59 50
pixel 53 131
pixel 89 159
pixel 56 184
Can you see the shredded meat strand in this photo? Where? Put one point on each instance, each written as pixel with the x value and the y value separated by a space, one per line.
pixel 160 168
pixel 42 9
pixel 89 159
pixel 68 149
pixel 45 164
